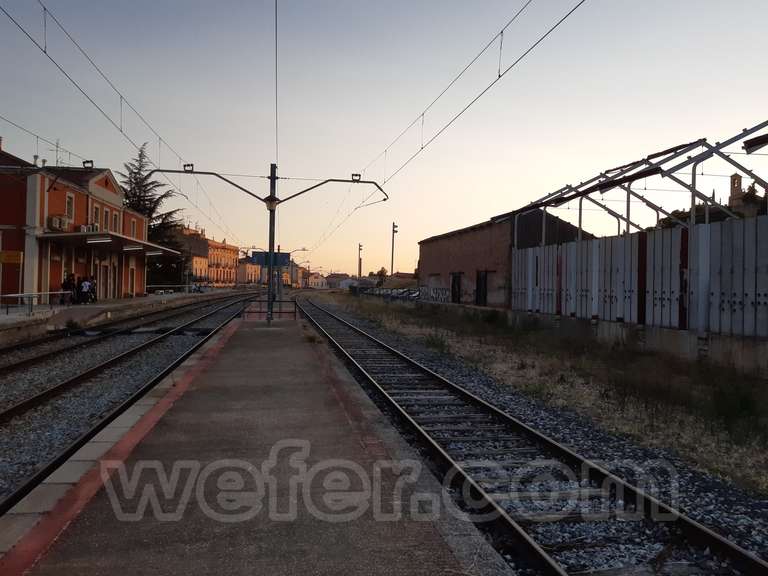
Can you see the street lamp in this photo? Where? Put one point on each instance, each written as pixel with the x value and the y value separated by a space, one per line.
pixel 271 202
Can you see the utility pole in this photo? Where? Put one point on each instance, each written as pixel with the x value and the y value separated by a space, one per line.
pixel 271 202
pixel 392 256
pixel 359 261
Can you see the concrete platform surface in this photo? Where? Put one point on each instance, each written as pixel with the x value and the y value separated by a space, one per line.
pixel 274 462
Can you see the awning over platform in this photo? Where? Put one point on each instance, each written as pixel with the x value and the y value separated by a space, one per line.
pixel 109 240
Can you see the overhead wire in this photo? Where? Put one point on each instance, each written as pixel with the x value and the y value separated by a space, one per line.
pixel 123 99
pixel 485 90
pixel 46 140
pixel 455 79
pixel 420 117
pixel 277 148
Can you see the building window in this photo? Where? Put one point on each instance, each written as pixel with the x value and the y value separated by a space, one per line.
pixel 70 206
pixel 133 227
pixel 115 220
pixel 96 216
pixel 106 219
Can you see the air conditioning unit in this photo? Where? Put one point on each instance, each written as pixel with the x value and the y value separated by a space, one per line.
pixel 84 228
pixel 55 223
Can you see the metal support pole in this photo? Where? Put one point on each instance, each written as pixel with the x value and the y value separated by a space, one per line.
pixel 271 206
pixel 581 200
pixel 359 261
pixel 629 196
pixel 692 240
pixel 392 255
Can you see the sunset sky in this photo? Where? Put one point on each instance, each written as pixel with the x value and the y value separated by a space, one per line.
pixel 618 80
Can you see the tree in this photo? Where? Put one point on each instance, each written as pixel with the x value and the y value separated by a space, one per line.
pixel 381 275
pixel 147 196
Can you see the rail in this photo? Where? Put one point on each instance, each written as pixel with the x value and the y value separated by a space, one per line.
pixel 42 473
pixel 406 395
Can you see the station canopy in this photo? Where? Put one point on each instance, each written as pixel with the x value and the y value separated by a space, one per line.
pixel 108 240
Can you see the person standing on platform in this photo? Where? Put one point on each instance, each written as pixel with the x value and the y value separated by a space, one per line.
pixel 85 289
pixel 92 290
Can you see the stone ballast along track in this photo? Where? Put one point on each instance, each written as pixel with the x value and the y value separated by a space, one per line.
pixel 49 422
pixel 557 512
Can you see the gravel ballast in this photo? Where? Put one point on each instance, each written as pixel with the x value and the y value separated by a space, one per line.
pixel 31 440
pixel 732 512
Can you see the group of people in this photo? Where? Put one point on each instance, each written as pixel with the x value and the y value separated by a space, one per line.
pixel 79 290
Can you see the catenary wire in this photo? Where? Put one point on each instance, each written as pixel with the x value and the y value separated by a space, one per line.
pixel 124 100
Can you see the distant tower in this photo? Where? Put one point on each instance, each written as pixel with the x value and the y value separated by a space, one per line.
pixel 736 199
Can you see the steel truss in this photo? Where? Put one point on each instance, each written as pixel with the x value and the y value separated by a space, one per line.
pixel 665 164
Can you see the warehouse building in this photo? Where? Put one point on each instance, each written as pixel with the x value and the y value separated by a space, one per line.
pixel 472 265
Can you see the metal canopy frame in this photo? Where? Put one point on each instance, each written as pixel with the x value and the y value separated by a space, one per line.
pixel 656 164
pixel 665 164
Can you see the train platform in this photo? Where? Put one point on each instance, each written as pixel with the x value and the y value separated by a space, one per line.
pixel 259 455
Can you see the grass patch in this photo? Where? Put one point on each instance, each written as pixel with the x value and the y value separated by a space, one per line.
pixel 437 342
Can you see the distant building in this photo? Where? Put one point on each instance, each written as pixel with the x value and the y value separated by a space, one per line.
pixel 248 272
pixel 57 222
pixel 207 260
pixel 298 275
pixel 222 262
pixel 194 249
pixel 316 280
pixel 472 265
pixel 401 280
pixel 335 278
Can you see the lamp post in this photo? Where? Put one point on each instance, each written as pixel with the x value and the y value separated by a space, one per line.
pixel 271 202
pixel 359 261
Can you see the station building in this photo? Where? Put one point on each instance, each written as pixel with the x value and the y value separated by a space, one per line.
pixel 472 265
pixel 56 221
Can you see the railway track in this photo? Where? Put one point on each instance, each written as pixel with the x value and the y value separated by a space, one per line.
pixel 548 507
pixel 55 422
pixel 24 354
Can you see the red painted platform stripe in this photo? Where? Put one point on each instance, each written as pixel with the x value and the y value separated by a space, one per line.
pixel 22 557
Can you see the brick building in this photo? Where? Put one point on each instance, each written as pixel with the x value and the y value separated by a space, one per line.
pixel 472 265
pixel 60 221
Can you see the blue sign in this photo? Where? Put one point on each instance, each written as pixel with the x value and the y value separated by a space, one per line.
pixel 281 258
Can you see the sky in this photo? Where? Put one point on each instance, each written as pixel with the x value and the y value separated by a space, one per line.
pixel 617 81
